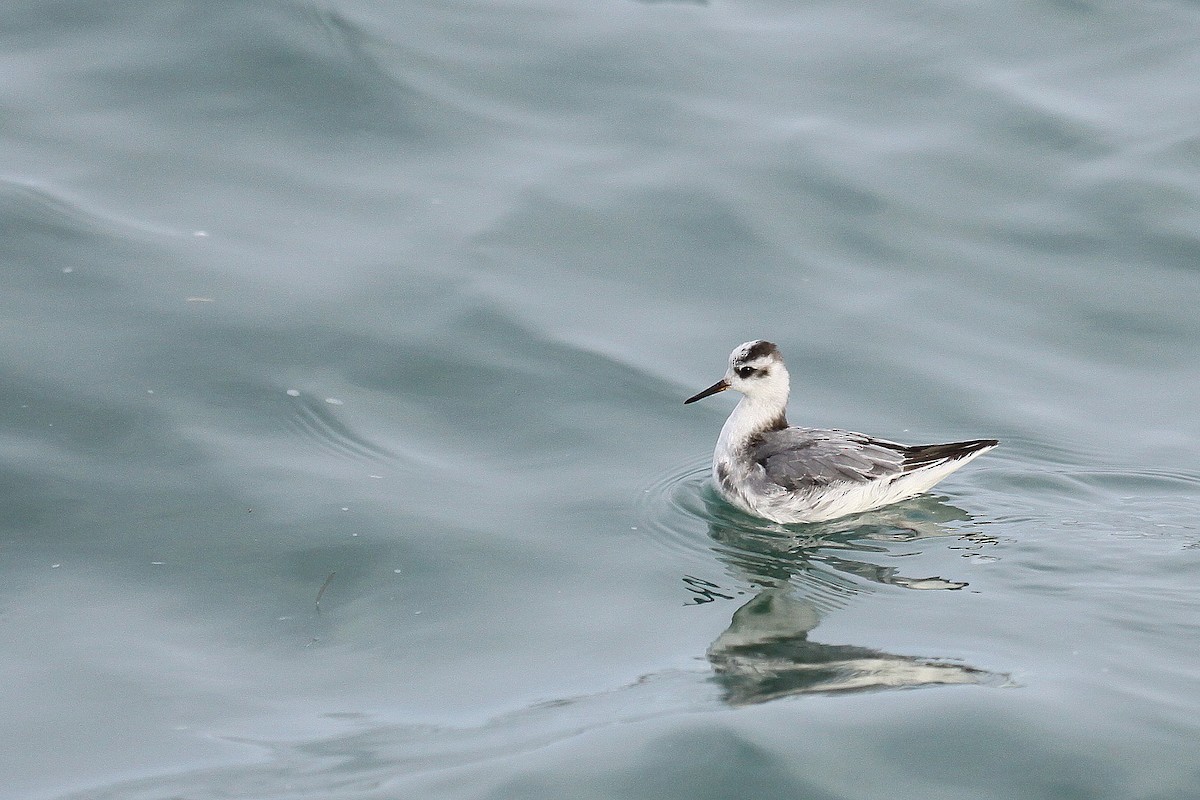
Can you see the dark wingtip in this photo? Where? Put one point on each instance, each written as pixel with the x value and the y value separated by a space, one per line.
pixel 923 455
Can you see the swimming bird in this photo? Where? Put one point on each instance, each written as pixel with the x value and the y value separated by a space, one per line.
pixel 789 474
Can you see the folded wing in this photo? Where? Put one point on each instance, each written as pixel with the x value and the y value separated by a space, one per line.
pixel 801 459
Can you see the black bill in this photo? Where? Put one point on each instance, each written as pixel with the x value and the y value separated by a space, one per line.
pixel 719 386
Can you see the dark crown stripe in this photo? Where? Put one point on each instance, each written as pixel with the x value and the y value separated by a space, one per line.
pixel 760 349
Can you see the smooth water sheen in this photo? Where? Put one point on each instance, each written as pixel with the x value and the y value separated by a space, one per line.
pixel 342 362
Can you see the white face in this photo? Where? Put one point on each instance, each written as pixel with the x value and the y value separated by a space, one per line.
pixel 756 370
pixel 755 367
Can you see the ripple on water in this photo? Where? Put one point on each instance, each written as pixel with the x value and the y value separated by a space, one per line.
pixel 316 420
pixel 681 512
pixel 1139 482
pixel 787 578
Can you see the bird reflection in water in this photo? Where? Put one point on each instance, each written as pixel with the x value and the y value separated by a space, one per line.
pixel 765 653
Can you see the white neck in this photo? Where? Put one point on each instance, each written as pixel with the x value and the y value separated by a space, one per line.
pixel 754 414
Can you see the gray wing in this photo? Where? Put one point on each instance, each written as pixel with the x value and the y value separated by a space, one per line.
pixel 807 458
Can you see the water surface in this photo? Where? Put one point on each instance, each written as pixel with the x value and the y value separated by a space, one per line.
pixel 341 381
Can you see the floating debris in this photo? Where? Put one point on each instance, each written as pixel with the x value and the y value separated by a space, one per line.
pixel 321 591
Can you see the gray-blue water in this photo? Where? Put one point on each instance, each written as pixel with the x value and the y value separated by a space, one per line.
pixel 342 352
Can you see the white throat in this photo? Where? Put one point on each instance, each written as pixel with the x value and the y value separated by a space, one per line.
pixel 764 409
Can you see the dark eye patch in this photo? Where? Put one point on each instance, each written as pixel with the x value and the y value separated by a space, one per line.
pixel 746 372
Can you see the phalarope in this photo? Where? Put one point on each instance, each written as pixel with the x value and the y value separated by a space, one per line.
pixel 789 474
